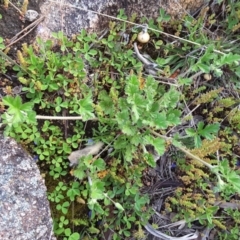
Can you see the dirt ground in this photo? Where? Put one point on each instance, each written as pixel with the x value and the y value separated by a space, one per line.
pixel 12 23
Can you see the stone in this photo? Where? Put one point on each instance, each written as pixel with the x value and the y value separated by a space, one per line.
pixel 71 16
pixel 31 15
pixel 24 208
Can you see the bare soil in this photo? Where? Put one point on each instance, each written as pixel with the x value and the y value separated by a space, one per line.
pixel 12 23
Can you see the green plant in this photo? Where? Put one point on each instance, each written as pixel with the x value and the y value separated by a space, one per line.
pixel 59 229
pixel 6 2
pixel 65 232
pixel 57 194
pixel 56 172
pixel 18 111
pixel 63 207
pixel 24 7
pixel 73 191
pixel 70 235
pixel 207 132
pixel 2 46
pixel 129 111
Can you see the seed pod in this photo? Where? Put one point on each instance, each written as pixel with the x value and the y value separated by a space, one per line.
pixel 143 37
pixel 207 76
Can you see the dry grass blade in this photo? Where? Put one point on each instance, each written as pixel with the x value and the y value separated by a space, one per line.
pixel 163 236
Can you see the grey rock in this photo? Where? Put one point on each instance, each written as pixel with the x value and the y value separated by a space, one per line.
pixel 71 16
pixel 24 208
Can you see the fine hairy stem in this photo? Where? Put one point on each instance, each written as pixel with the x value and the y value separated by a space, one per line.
pixel 183 149
pixel 62 117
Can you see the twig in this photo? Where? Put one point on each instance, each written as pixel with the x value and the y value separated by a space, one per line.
pixel 161 235
pixel 33 25
pixel 139 56
pixel 190 113
pixel 105 31
pixel 105 148
pixel 16 8
pixel 165 79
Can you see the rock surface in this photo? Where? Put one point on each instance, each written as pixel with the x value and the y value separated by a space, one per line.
pixel 70 16
pixel 24 208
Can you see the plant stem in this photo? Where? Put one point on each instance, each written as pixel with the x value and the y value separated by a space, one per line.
pixel 62 117
pixel 16 8
pixel 188 153
pixel 183 149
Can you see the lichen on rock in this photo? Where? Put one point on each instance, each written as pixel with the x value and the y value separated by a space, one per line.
pixel 25 213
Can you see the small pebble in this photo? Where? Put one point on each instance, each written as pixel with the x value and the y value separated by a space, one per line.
pixel 31 15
